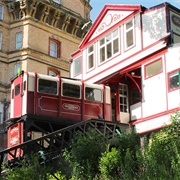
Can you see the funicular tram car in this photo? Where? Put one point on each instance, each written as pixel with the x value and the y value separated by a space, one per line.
pixel 55 97
pixel 33 93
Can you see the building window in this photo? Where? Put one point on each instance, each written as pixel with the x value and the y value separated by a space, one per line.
pixel 0 40
pixel 153 68
pixel 77 66
pixel 129 34
pixel 90 57
pixel 174 80
pixel 17 68
pixel 1 12
pixel 54 48
pixel 108 46
pixel 19 40
pixel 53 72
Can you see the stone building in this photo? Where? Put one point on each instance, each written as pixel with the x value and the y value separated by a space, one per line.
pixel 40 36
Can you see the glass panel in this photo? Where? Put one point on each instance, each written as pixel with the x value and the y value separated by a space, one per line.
pixel 115 46
pixel 108 38
pixel 1 12
pixel 53 49
pixel 115 33
pixel 102 41
pixel 77 66
pixel 91 64
pixel 71 90
pixel 129 25
pixel 109 51
pixel 129 38
pixel 17 89
pixel 19 40
pixel 153 68
pixel 46 86
pixel 102 54
pixel 173 79
pixel 90 49
pixel 93 94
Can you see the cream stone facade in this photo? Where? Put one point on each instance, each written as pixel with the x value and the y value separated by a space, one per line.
pixel 39 36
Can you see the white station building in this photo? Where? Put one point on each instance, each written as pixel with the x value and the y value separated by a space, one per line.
pixel 136 51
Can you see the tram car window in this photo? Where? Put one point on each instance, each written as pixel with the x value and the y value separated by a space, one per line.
pixel 93 94
pixel 17 89
pixel 71 90
pixel 47 86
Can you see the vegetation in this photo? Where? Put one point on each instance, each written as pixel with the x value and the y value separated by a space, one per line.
pixel 93 157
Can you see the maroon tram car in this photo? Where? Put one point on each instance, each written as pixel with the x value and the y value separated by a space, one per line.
pixel 33 93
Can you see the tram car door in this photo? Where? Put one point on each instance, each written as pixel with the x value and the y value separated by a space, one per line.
pixel 16 96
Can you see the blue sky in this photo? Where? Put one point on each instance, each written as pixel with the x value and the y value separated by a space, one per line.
pixel 97 5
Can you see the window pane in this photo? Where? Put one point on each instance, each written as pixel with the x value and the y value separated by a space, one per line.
pixel 173 79
pixel 115 46
pixel 115 33
pixel 93 94
pixel 77 66
pixel 129 25
pixel 90 49
pixel 19 40
pixel 102 41
pixel 102 54
pixel 109 51
pixel 71 90
pixel 52 73
pixel 91 64
pixel 53 49
pixel 1 12
pixel 108 38
pixel 129 38
pixel 46 86
pixel 153 68
pixel 17 89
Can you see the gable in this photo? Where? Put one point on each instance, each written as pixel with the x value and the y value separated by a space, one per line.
pixel 108 18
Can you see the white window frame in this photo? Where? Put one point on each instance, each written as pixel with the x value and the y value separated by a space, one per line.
pixel 127 30
pixel 106 44
pixel 90 57
pixel 1 12
pixel 53 49
pixel 0 40
pixel 19 39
